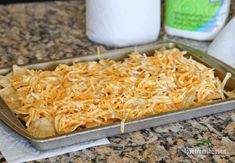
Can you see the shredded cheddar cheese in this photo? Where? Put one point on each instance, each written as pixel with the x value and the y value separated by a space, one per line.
pixel 93 94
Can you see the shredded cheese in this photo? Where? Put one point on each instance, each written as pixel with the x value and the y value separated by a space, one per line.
pixel 98 53
pixel 97 93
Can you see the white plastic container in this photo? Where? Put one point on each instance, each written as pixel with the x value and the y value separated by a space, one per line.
pixel 199 20
pixel 223 47
pixel 123 22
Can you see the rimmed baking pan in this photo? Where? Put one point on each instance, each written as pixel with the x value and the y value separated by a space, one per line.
pixel 221 69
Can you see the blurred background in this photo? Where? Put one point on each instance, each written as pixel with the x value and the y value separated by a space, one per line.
pixel 32 32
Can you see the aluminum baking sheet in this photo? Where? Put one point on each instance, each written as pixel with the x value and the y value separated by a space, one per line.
pixel 221 69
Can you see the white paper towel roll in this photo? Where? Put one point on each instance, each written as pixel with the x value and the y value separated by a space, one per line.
pixel 122 22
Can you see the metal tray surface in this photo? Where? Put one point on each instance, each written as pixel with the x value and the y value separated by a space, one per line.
pixel 221 69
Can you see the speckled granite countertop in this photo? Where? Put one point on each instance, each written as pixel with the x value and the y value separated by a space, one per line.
pixel 43 31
